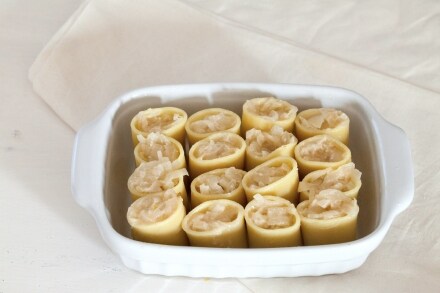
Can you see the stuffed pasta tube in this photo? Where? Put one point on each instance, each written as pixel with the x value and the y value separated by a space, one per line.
pixel 265 145
pixel 329 121
pixel 158 219
pixel 272 221
pixel 216 223
pixel 156 146
pixel 278 176
pixel 219 150
pixel 167 120
pixel 346 178
pixel 329 217
pixel 321 152
pixel 156 177
pixel 209 121
pixel 222 183
pixel 264 113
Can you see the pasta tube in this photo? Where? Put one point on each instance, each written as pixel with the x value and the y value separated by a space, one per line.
pixel 209 121
pixel 219 150
pixel 264 113
pixel 321 152
pixel 158 219
pixel 156 177
pixel 156 146
pixel 272 221
pixel 278 176
pixel 327 218
pixel 218 184
pixel 167 120
pixel 346 178
pixel 216 223
pixel 263 146
pixel 329 121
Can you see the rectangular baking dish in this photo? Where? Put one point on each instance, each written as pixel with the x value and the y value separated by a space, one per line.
pixel 103 160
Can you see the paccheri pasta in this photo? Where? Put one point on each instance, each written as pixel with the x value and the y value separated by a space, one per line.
pixel 219 150
pixel 209 121
pixel 321 152
pixel 329 121
pixel 229 207
pixel 167 120
pixel 222 183
pixel 278 176
pixel 155 178
pixel 158 219
pixel 262 145
pixel 264 113
pixel 272 221
pixel 346 178
pixel 216 223
pixel 328 217
pixel 156 146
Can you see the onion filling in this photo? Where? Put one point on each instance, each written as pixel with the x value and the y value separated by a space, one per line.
pixel 155 176
pixel 271 108
pixel 326 118
pixel 271 214
pixel 217 215
pixel 329 204
pixel 344 179
pixel 156 120
pixel 322 150
pixel 156 146
pixel 265 175
pixel 219 147
pixel 213 123
pixel 153 209
pixel 261 143
pixel 221 183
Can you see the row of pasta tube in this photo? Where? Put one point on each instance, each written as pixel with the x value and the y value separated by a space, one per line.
pixel 221 221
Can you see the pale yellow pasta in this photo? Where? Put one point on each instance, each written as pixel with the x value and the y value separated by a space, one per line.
pixel 346 178
pixel 216 223
pixel 321 152
pixel 156 177
pixel 318 121
pixel 209 121
pixel 272 221
pixel 265 145
pixel 219 150
pixel 329 217
pixel 167 120
pixel 278 176
pixel 264 113
pixel 158 219
pixel 156 146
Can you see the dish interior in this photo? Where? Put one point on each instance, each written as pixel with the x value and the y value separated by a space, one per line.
pixel 120 161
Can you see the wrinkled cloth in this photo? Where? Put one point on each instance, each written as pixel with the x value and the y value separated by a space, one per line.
pixel 110 47
pixel 389 53
pixel 396 38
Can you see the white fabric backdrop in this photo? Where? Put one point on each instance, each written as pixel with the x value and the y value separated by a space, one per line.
pixel 388 52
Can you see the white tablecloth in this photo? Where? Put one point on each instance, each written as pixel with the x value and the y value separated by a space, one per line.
pixel 387 52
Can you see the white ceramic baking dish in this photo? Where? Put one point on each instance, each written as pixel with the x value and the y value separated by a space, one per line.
pixel 103 160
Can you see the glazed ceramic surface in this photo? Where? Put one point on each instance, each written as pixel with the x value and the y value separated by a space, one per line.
pixel 103 160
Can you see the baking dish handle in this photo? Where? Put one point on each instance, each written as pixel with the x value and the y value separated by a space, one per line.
pixel 398 169
pixel 87 173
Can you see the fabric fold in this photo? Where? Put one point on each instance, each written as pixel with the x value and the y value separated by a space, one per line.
pixel 110 47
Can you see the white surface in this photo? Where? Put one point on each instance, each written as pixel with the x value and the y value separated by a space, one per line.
pixel 98 158
pixel 51 244
pixel 393 37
